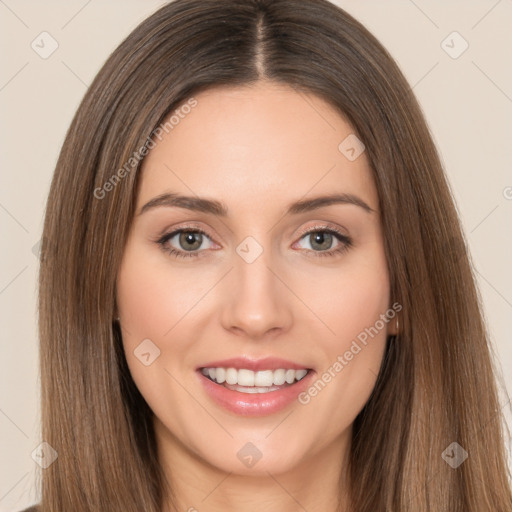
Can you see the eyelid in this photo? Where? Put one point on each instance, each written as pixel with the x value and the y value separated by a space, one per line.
pixel 322 225
pixel 182 227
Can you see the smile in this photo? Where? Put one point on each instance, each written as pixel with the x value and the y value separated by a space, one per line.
pixel 248 381
pixel 254 393
pixel 248 378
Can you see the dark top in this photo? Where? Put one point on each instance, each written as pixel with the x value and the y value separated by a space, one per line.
pixel 34 508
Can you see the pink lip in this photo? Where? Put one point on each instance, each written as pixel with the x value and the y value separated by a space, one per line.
pixel 267 363
pixel 255 404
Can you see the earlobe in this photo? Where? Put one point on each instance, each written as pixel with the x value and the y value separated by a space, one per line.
pixel 394 328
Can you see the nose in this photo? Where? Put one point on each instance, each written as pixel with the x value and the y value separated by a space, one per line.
pixel 257 299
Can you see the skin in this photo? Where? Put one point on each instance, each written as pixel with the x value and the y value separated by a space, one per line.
pixel 257 149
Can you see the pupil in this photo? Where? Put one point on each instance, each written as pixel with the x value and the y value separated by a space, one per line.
pixel 321 239
pixel 190 238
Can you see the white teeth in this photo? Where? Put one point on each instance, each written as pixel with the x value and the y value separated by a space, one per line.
pixel 245 389
pixel 279 377
pixel 231 376
pixel 263 378
pixel 220 375
pixel 245 378
pixel 300 374
pixel 290 376
pixel 248 378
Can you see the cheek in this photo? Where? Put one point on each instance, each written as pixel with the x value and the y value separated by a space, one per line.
pixel 352 302
pixel 161 303
pixel 363 298
pixel 151 298
pixel 347 298
pixel 152 302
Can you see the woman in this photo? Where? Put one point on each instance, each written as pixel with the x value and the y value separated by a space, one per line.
pixel 321 344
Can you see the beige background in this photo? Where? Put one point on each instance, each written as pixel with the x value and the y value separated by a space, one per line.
pixel 467 102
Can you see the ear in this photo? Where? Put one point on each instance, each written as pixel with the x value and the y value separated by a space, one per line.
pixel 394 326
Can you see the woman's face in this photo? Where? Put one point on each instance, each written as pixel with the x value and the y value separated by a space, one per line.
pixel 255 285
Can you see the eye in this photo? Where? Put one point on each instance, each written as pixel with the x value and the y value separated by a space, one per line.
pixel 323 237
pixel 189 241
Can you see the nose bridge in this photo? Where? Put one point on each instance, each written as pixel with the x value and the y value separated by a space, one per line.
pixel 258 302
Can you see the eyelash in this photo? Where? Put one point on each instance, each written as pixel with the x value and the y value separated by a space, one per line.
pixel 345 241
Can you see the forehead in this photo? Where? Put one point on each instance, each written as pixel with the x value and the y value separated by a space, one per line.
pixel 265 142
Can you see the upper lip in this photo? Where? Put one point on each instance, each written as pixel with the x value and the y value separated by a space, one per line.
pixel 266 363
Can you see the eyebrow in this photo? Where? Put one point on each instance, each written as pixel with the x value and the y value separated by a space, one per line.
pixel 203 205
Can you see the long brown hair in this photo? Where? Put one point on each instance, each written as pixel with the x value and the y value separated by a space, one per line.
pixel 437 381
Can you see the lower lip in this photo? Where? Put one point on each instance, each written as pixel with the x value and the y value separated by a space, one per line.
pixel 255 404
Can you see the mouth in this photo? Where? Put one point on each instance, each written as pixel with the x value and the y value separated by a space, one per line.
pixel 254 387
pixel 249 381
